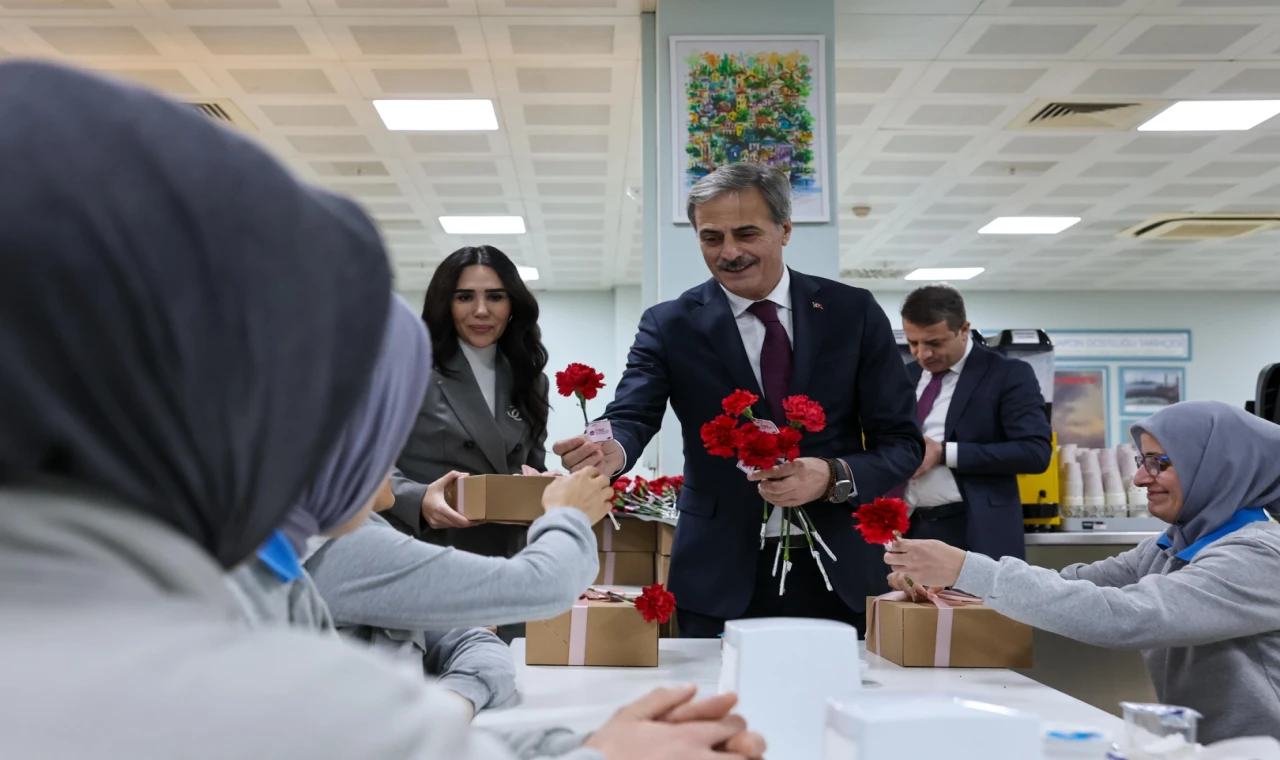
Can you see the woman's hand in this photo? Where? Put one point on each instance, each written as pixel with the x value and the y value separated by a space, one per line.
pixel 931 563
pixel 641 730
pixel 586 490
pixel 436 511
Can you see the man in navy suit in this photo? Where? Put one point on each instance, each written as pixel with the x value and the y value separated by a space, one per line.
pixel 758 326
pixel 984 423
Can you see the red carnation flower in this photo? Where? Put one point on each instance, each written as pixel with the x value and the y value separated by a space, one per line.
pixel 789 444
pixel 805 413
pixel 622 485
pixel 717 437
pixel 739 403
pixel 756 448
pixel 656 603
pixel 883 520
pixel 579 379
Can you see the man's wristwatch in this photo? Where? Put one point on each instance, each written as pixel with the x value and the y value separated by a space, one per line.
pixel 840 484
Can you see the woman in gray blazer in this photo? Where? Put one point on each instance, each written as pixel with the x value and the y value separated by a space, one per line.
pixel 485 411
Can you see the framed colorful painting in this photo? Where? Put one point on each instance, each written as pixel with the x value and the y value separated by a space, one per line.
pixel 753 99
pixel 1080 406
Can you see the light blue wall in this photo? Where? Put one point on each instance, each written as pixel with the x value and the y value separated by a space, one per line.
pixel 814 248
pixel 673 261
pixel 1232 334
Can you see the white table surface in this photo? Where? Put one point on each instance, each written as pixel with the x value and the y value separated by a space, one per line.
pixel 581 698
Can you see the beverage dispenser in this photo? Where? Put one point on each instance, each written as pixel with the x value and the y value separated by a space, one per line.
pixel 1040 491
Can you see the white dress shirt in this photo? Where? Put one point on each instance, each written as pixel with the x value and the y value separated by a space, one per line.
pixel 484 365
pixel 938 486
pixel 752 331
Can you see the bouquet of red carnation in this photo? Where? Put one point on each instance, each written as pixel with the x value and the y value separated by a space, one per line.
pixel 656 603
pixel 760 445
pixel 650 498
pixel 584 382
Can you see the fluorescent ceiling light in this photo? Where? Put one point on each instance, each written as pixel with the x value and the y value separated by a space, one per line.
pixel 528 274
pixel 1029 225
pixel 957 273
pixel 1212 116
pixel 483 225
pixel 437 115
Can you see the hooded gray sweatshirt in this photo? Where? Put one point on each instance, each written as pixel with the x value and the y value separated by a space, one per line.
pixel 1198 601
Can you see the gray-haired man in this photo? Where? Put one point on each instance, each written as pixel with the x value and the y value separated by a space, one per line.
pixel 758 326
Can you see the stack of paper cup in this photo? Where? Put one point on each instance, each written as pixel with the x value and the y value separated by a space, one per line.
pixel 1068 452
pixel 1072 483
pixel 1138 502
pixel 1089 460
pixel 1114 492
pixel 1094 496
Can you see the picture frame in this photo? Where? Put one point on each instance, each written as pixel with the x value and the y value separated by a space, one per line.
pixel 1146 389
pixel 1125 423
pixel 1082 406
pixel 759 98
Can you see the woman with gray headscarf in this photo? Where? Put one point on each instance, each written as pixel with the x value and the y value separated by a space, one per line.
pixel 1196 600
pixel 185 331
pixel 275 588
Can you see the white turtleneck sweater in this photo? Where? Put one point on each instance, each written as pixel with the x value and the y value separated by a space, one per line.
pixel 484 365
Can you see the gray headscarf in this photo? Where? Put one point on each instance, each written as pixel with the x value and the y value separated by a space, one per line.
pixel 375 433
pixel 1226 459
pixel 184 326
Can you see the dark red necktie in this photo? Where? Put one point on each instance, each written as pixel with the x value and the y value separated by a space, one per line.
pixel 923 407
pixel 775 358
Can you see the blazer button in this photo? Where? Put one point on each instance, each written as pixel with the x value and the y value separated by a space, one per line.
pixel 519 446
pixel 468 444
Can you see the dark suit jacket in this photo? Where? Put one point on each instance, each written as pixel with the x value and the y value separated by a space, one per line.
pixel 689 352
pixel 997 417
pixel 456 430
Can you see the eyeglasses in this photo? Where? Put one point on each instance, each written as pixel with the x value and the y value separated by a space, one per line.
pixel 1153 463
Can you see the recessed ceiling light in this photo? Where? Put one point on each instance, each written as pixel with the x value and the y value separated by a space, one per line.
pixel 1029 225
pixel 483 225
pixel 956 273
pixel 437 115
pixel 528 274
pixel 1212 116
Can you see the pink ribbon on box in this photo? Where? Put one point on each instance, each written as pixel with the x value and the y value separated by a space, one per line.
pixel 610 565
pixel 945 601
pixel 462 501
pixel 578 633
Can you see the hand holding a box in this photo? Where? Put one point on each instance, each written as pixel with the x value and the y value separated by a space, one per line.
pixel 436 510
pixel 586 490
pixel 667 724
pixel 930 563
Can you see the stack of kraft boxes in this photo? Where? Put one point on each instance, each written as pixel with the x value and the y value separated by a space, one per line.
pixel 636 553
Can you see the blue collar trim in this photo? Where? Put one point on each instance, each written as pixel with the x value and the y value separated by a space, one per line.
pixel 1241 518
pixel 280 558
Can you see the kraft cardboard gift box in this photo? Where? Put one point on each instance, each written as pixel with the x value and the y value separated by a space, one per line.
pixel 662 568
pixel 498 498
pixel 594 633
pixel 666 536
pixel 626 552
pixel 980 636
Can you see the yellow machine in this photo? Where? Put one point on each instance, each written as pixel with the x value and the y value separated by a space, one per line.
pixel 1040 496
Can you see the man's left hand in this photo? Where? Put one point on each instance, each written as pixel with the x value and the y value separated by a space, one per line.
pixel 794 484
pixel 933 453
pixel 927 562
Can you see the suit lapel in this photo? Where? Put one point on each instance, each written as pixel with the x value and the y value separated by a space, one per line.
pixel 974 368
pixel 806 326
pixel 715 319
pixel 463 394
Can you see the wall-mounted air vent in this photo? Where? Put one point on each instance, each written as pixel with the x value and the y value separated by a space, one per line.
pixel 873 274
pixel 224 111
pixel 1188 226
pixel 1058 114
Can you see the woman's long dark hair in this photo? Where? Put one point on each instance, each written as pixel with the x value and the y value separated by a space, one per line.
pixel 521 342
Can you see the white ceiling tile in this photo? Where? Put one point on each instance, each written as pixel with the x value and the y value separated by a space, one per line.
pixel 1125 169
pixel 566 115
pixel 1200 39
pixel 894 37
pixel 1032 40
pixel 955 115
pixel 926 143
pixel 1130 81
pixel 542 39
pixel 283 81
pixel 536 81
pixel 989 81
pixel 96 40
pixel 1031 145
pixel 450 143
pixel 1165 145
pixel 1232 170
pixel 866 80
pixel 902 168
pixel 309 115
pixel 405 81
pixel 406 39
